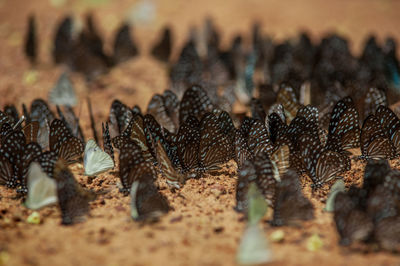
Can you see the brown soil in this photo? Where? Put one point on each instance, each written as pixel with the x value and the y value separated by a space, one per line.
pixel 203 229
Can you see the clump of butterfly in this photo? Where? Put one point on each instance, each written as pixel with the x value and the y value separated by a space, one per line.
pixel 370 214
pixel 190 131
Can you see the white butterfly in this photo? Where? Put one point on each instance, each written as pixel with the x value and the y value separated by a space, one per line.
pixel 42 190
pixel 63 92
pixel 95 160
pixel 253 247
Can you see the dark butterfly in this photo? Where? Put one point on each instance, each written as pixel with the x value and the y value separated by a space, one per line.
pixel 276 128
pixel 344 129
pixel 163 48
pixel 188 142
pixel 259 171
pixel 290 205
pixel 352 223
pixel 4 119
pixel 12 113
pixel 215 147
pixel 147 203
pixel 47 160
pixel 19 155
pixel 63 143
pixel 242 152
pixel 258 140
pixel 158 109
pixel 72 199
pixel 289 101
pixel 31 41
pixel 187 70
pixel 124 46
pixel 171 103
pixel 135 132
pixel 320 164
pixel 195 102
pixel 41 113
pixel 387 233
pixel 390 124
pixel 174 178
pixel 257 110
pixel 120 116
pixel 374 141
pixel 6 173
pixel 71 121
pixel 132 164
pixel 31 131
pixel 63 41
pixel 373 99
pixel 107 146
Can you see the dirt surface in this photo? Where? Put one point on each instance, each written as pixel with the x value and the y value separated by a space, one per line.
pixel 203 229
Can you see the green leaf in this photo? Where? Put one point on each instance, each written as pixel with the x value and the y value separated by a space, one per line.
pixel 34 218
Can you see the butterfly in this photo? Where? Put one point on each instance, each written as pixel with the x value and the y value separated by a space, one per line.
pixel 132 165
pixel 290 205
pixel 258 140
pixel 373 99
pixel 72 199
pixel 171 103
pixel 375 142
pixel 276 128
pixel 120 116
pixel 19 155
pixel 6 173
pixel 195 102
pixel 147 203
pixel 187 70
pixel 387 233
pixel 63 143
pixel 107 145
pixel 215 147
pixel 71 121
pixel 257 110
pixel 188 142
pixel 31 41
pixel 259 171
pixel 289 101
pixel 321 165
pixel 163 48
pixel 124 46
pixel 390 124
pixel 174 177
pixel 63 41
pixel 242 152
pixel 47 160
pixel 135 132
pixel 63 93
pixel 157 109
pixel 4 119
pixel 344 129
pixel 41 113
pixel 95 160
pixel 12 113
pixel 42 190
pixel 352 223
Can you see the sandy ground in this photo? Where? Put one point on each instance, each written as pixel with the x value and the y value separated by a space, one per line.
pixel 203 229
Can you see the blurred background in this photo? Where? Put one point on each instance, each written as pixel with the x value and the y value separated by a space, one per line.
pixel 356 20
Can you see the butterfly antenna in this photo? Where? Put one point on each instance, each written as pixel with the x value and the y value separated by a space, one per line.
pixel 92 122
pixel 19 123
